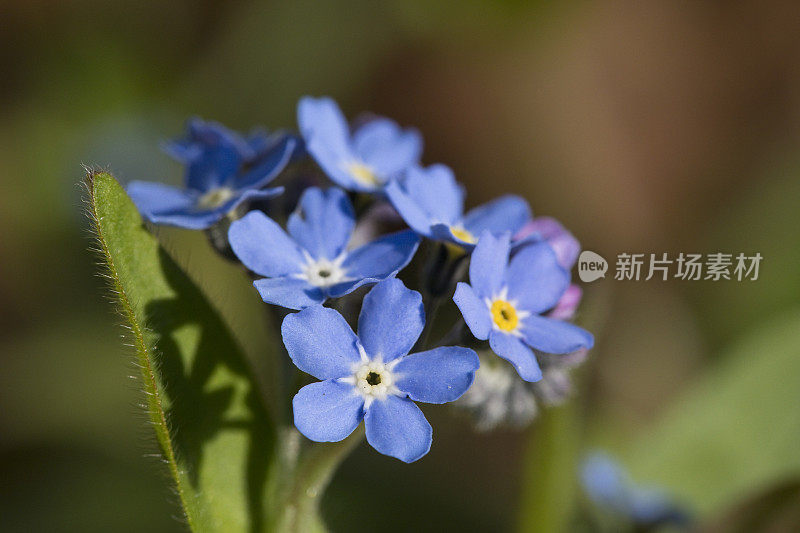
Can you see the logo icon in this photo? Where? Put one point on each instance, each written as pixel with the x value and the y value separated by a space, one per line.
pixel 591 266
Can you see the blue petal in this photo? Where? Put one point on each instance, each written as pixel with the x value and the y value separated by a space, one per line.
pixel 263 247
pixel 322 120
pixel 435 193
pixel 346 287
pixel 564 244
pixel 409 209
pixel 216 166
pixel 182 150
pixel 376 261
pixel 474 310
pixel 291 293
pixel 605 482
pixel 202 136
pixel 327 411
pixel 209 134
pixel 322 222
pixel 197 220
pixel 488 264
pixel 391 320
pixel 259 140
pixel 535 279
pixel 396 427
pixel 162 204
pixel 515 352
pixel 382 257
pixel 440 375
pixel 335 165
pixel 253 195
pixel 155 198
pixel 327 138
pixel 267 167
pixel 555 336
pixel 444 232
pixel 320 342
pixel 608 485
pixel 568 303
pixel 507 213
pixel 386 147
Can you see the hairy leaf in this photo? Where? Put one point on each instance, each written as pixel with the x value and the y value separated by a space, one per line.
pixel 215 435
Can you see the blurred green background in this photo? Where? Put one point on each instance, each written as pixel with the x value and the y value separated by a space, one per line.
pixel 644 127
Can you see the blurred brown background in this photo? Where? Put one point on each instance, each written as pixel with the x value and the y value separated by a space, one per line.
pixel 643 126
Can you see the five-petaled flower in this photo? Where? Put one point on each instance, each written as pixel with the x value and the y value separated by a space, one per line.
pixel 371 375
pixel 567 248
pixel 505 298
pixel 432 203
pixel 519 296
pixel 364 161
pixel 223 170
pixel 311 263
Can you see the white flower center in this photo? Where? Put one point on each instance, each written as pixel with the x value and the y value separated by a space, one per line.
pixel 324 272
pixel 373 379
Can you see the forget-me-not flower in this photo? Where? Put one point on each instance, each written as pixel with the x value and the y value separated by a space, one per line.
pixel 312 263
pixel 567 249
pixel 610 487
pixel 223 170
pixel 563 243
pixel 371 376
pixel 364 160
pixel 505 299
pixel 432 203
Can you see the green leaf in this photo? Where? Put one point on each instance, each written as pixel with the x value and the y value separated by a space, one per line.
pixel 215 434
pixel 776 509
pixel 737 429
pixel 762 219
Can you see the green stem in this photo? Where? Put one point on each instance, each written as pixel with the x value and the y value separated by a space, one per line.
pixel 550 477
pixel 299 512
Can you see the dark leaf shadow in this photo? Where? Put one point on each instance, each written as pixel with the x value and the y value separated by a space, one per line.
pixel 198 409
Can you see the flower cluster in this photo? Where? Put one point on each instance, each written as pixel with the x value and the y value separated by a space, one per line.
pixel 223 171
pixel 498 397
pixel 321 246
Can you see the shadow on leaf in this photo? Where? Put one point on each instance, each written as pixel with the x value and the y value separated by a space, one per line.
pixel 211 398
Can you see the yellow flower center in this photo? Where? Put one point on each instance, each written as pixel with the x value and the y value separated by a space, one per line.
pixel 504 315
pixel 215 198
pixel 463 235
pixel 364 174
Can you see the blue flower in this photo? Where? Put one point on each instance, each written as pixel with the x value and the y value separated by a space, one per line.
pixel 223 170
pixel 567 249
pixel 371 375
pixel 563 243
pixel 432 203
pixel 311 263
pixel 610 487
pixel 363 161
pixel 505 300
